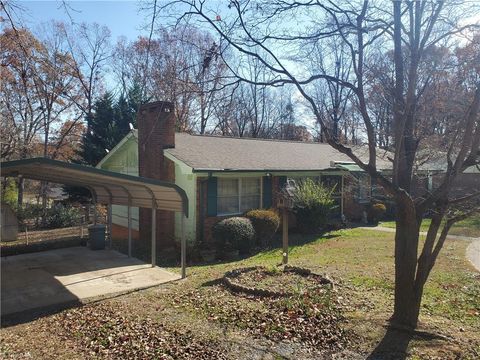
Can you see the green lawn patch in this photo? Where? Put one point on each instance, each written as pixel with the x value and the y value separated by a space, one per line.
pixel 469 227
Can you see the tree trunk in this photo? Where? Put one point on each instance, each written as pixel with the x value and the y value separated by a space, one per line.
pixel 21 186
pixel 407 298
pixel 44 184
pixel 43 190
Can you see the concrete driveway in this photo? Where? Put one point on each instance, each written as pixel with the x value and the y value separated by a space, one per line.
pixel 473 253
pixel 70 275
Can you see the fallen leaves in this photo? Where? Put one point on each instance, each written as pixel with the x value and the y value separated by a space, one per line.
pixel 312 317
pixel 106 332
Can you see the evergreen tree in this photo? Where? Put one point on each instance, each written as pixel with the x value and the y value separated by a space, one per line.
pixel 108 125
pixel 126 109
pixel 102 134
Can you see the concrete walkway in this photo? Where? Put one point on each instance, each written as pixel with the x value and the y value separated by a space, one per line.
pixel 70 275
pixel 472 252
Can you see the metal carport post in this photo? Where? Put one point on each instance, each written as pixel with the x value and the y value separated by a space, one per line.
pixel 110 188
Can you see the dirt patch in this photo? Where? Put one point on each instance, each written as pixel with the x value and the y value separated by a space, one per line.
pixel 275 281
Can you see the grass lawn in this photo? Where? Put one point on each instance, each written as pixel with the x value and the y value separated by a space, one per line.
pixel 468 227
pixel 199 318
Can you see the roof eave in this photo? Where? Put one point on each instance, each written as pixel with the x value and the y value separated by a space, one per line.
pixel 197 170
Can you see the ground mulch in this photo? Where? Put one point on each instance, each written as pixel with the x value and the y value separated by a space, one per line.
pixel 277 280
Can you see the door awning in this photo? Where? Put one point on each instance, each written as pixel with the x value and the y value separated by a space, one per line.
pixel 349 167
pixel 106 186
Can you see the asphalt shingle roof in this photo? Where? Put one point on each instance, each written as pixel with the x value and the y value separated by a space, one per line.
pixel 204 152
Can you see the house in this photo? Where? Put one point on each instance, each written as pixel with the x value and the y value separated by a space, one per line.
pixel 224 176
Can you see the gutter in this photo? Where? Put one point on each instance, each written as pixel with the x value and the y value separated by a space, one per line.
pixel 210 170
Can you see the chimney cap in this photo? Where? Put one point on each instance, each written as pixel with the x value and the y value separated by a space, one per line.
pixel 164 106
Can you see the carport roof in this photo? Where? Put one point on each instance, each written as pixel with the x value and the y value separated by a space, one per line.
pixel 106 186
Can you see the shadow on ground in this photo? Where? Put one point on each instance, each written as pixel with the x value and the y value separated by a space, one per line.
pixel 296 240
pixel 395 342
pixel 37 313
pixel 39 284
pixel 393 346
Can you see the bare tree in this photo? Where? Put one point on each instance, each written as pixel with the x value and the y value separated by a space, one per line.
pixel 179 65
pixel 89 47
pixel 333 98
pixel 263 31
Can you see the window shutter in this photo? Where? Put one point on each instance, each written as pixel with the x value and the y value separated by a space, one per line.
pixel 267 192
pixel 212 196
pixel 282 180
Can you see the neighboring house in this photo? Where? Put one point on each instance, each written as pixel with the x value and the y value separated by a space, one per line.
pixel 225 176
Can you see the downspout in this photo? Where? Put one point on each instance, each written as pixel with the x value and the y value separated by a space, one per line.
pixel 202 210
pixel 342 197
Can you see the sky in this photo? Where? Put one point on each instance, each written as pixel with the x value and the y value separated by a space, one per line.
pixel 121 17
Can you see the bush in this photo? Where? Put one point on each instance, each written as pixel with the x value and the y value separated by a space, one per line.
pixel 29 213
pixel 376 212
pixel 10 193
pixel 265 223
pixel 313 204
pixel 234 233
pixel 61 216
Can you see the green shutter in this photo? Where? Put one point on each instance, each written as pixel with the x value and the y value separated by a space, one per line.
pixel 282 180
pixel 212 196
pixel 267 192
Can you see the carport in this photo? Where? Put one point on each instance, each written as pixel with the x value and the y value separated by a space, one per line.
pixel 110 188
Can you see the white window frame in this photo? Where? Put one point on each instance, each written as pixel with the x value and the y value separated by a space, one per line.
pixel 260 178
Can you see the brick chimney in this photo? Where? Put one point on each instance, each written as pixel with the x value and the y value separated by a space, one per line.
pixel 156 132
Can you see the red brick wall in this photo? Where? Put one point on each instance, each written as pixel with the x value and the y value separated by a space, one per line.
pixel 464 183
pixel 352 210
pixel 121 233
pixel 156 132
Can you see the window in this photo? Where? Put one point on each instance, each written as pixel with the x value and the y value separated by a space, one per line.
pixel 228 196
pixel 333 182
pixel 250 194
pixel 235 196
pixel 363 188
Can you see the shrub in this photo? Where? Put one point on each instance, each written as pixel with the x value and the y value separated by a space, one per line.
pixel 234 233
pixel 29 213
pixel 10 193
pixel 265 223
pixel 376 211
pixel 313 204
pixel 61 216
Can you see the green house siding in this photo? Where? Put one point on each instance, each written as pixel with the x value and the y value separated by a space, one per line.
pixel 188 182
pixel 124 160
